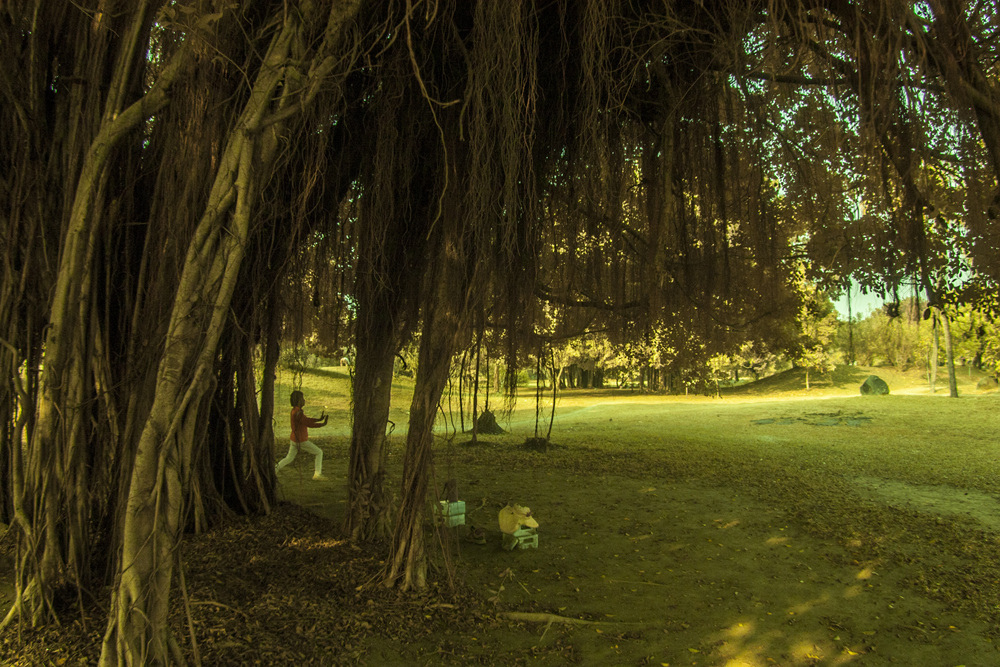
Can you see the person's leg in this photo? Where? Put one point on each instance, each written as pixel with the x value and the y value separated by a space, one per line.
pixel 293 449
pixel 318 453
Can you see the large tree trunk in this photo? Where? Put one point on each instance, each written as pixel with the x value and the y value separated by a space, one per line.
pixel 450 273
pixel 262 452
pixel 55 509
pixel 237 468
pixel 367 512
pixel 392 237
pixel 250 460
pixel 408 566
pixel 137 630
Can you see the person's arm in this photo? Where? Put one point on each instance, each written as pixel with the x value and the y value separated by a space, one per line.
pixel 312 422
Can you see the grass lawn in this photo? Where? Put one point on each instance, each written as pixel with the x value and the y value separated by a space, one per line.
pixel 772 526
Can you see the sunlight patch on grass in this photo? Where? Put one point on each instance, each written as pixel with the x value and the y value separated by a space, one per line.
pixel 741 647
pixel 808 605
pixel 807 650
pixel 852 591
pixel 739 630
pixel 747 659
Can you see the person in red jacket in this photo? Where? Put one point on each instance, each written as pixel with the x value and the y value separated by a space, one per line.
pixel 300 435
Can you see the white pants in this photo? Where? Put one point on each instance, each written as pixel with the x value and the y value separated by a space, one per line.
pixel 293 450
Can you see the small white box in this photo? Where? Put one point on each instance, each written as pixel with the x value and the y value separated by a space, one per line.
pixel 452 514
pixel 525 538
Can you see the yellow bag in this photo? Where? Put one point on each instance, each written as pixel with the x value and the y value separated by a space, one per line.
pixel 514 517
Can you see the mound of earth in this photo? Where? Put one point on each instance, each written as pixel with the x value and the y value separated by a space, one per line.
pixel 487 424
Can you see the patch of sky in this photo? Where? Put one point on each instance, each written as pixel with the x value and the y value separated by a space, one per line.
pixel 857 303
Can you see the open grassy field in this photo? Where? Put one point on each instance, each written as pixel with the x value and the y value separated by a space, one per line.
pixel 775 525
pixel 772 526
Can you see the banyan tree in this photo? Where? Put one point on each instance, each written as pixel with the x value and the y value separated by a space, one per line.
pixel 178 175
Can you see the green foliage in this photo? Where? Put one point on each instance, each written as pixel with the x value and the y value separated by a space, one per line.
pixel 817 322
pixel 589 351
pixel 879 339
pixel 905 341
pixel 991 351
pixel 755 358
